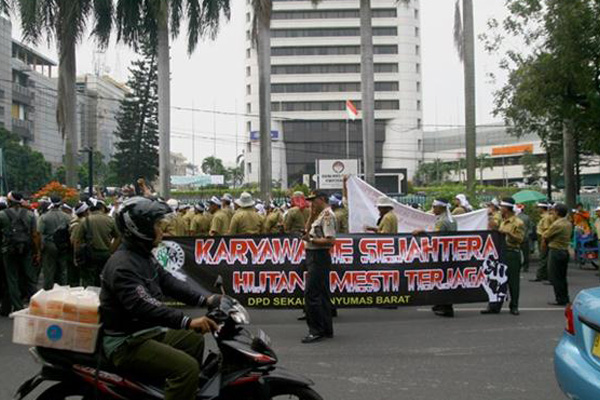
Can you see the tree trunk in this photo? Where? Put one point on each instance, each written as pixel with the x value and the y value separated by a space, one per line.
pixel 368 91
pixel 66 114
pixel 569 165
pixel 469 72
pixel 164 102
pixel 264 105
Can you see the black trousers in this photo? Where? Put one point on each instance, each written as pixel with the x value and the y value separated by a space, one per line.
pixel 316 293
pixel 558 263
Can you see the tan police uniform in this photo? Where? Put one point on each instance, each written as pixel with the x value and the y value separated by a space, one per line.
pixel 246 221
pixel 219 224
pixel 514 229
pixel 388 223
pixel 558 239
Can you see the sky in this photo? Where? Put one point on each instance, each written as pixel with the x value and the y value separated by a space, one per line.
pixel 213 78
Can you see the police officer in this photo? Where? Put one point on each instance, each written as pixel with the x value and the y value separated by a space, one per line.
pixel 99 232
pixel 514 233
pixel 296 217
pixel 220 221
pixel 200 224
pixel 20 248
pixel 341 213
pixel 546 219
pixel 81 212
pixel 274 220
pixel 56 247
pixel 444 222
pixel 388 222
pixel 246 220
pixel 319 240
pixel 226 206
pixel 557 239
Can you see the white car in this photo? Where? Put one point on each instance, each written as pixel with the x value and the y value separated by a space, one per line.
pixel 589 189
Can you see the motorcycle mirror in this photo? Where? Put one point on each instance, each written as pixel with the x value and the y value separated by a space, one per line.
pixel 219 284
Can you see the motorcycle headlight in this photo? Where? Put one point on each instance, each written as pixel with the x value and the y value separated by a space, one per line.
pixel 240 315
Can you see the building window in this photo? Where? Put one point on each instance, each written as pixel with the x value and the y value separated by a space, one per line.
pixel 418 105
pixel 417 50
pixel 418 68
pixel 300 106
pixel 416 13
pixel 249 147
pixel 248 126
pixel 248 89
pixel 248 108
pixel 329 50
pixel 248 53
pixel 332 14
pixel 249 168
pixel 416 31
pixel 419 126
pixel 331 32
pixel 248 35
pixel 248 71
pixel 325 87
pixel 248 17
pixel 418 86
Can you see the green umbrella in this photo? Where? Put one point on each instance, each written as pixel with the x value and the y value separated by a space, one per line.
pixel 528 196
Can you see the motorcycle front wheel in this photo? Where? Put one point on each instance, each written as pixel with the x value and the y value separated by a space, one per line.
pixel 294 392
pixel 63 391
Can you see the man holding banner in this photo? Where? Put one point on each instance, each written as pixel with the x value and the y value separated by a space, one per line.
pixel 319 240
pixel 514 231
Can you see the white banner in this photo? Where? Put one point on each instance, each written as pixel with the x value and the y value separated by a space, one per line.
pixel 362 209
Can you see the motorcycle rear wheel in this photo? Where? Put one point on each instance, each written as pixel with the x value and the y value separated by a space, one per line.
pixel 294 392
pixel 64 391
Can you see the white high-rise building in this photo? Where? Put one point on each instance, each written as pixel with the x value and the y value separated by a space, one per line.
pixel 315 61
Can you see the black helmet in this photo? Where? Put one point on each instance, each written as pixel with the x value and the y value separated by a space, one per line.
pixel 137 217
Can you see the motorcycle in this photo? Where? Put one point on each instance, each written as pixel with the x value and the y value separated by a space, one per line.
pixel 244 368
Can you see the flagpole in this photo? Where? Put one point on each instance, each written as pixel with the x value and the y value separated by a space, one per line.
pixel 347 137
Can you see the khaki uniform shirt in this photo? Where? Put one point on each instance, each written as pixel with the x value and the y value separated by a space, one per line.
pixel 341 216
pixel 388 224
pixel 219 224
pixel 187 218
pixel 459 211
pixel 444 224
pixel 175 226
pixel 103 231
pixel 246 221
pixel 558 236
pixel 295 220
pixel 545 222
pixel 50 222
pixel 495 220
pixel 29 218
pixel 200 224
pixel 323 227
pixel 229 211
pixel 516 227
pixel 273 222
pixel 74 226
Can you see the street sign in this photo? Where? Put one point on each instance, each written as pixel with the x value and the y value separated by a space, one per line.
pixel 255 135
pixel 331 172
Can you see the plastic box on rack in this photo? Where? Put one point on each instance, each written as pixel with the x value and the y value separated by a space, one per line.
pixel 40 331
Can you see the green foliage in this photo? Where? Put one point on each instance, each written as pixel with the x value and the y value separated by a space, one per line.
pixel 555 85
pixel 26 169
pixel 300 188
pixel 213 166
pixel 484 161
pixel 531 167
pixel 433 173
pixel 137 149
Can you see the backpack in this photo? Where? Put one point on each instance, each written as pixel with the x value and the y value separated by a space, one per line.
pixel 62 238
pixel 18 234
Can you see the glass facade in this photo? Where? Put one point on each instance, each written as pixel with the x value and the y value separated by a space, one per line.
pixel 329 105
pixel 331 32
pixel 329 50
pixel 330 87
pixel 332 14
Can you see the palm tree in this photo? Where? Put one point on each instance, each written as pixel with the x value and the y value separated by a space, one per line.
pixel 152 18
pixel 65 22
pixel 484 161
pixel 464 39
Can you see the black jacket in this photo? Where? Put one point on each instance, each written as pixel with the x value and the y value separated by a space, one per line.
pixel 133 289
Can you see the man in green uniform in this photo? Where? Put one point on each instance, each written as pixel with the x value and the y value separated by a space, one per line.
pixel 388 222
pixel 294 221
pixel 81 213
pixel 525 248
pixel 99 232
pixel 557 239
pixel 546 219
pixel 514 233
pixel 444 223
pixel 20 248
pixel 245 221
pixel 219 224
pixel 462 205
pixel 341 212
pixel 274 221
pixel 53 227
pixel 226 206
pixel 494 215
pixel 200 224
pixel 175 224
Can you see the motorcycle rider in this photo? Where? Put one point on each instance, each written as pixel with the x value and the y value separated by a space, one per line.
pixel 143 336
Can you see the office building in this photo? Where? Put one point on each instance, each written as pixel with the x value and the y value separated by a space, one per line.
pixel 315 69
